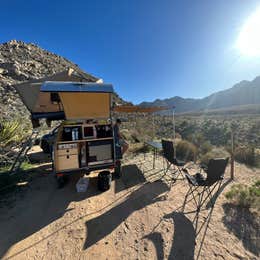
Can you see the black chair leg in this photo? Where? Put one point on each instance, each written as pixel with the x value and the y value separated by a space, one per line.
pixel 185 199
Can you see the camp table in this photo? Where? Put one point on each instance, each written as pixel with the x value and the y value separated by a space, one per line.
pixel 157 146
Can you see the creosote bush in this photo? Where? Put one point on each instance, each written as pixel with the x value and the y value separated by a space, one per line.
pixel 214 153
pixel 186 151
pixel 245 155
pixel 245 196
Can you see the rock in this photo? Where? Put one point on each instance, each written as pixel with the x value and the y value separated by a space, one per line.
pixel 3 71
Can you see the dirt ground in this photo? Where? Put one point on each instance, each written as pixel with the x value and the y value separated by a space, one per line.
pixel 140 217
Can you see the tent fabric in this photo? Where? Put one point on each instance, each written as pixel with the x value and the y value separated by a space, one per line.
pixel 139 109
pixel 78 105
pixel 44 104
pixel 36 101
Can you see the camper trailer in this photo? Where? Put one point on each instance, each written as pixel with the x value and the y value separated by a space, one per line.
pixel 85 139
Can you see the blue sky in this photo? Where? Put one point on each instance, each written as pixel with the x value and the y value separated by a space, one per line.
pixel 148 49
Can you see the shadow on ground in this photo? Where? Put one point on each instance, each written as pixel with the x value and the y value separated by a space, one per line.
pixel 187 228
pixel 40 205
pixel 157 240
pixel 103 225
pixel 184 237
pixel 131 176
pixel 245 225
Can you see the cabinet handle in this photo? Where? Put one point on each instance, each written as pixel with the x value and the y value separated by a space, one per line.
pixel 67 151
pixel 68 156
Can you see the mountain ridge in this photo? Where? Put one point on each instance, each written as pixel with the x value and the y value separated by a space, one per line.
pixel 241 94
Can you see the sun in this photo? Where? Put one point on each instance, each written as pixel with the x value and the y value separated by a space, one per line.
pixel 248 42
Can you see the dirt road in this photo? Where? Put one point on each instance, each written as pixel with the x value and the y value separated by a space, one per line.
pixel 138 218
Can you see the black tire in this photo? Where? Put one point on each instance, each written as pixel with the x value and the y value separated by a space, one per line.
pixel 37 141
pixel 45 146
pixel 104 180
pixel 118 170
pixel 61 181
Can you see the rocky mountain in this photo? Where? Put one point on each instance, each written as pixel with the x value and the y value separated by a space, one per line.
pixel 20 61
pixel 243 94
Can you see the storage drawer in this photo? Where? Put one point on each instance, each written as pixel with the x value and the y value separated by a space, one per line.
pixel 67 151
pixel 67 162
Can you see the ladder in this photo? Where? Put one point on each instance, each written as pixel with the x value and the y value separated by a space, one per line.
pixel 23 152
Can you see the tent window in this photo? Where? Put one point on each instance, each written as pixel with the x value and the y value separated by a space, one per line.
pixel 55 98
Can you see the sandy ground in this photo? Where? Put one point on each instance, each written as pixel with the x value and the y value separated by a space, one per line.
pixel 140 217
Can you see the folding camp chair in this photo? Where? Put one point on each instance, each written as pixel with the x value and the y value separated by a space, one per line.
pixel 171 160
pixel 200 186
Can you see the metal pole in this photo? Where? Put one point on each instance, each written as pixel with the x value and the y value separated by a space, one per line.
pixel 153 127
pixel 173 124
pixel 232 155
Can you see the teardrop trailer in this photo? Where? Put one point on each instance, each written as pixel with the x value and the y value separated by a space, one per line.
pixel 85 138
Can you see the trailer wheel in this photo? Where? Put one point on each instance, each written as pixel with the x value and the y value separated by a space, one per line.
pixel 104 180
pixel 45 146
pixel 118 170
pixel 61 180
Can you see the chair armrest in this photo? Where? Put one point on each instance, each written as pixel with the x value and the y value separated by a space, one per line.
pixel 179 162
pixel 204 167
pixel 191 179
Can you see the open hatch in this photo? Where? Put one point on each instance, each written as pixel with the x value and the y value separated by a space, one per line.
pixel 80 100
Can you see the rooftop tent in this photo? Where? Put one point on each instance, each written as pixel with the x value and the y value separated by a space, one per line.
pixel 39 103
pixel 81 100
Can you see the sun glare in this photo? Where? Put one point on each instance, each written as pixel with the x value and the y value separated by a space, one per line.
pixel 248 42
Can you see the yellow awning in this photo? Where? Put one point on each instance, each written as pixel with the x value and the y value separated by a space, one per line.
pixel 138 109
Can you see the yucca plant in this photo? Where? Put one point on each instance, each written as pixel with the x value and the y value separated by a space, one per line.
pixel 8 132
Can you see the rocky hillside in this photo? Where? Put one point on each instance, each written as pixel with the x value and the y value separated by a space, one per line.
pixel 20 62
pixel 242 95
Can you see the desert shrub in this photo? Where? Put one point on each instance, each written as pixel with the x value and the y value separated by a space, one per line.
pixel 126 135
pixel 215 132
pixel 178 136
pixel 214 153
pixel 245 196
pixel 200 142
pixel 245 155
pixel 205 147
pixel 139 148
pixel 14 131
pixel 186 128
pixel 186 150
pixel 8 132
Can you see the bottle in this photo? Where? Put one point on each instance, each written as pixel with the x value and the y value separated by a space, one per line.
pixel 83 155
pixel 76 134
pixel 73 134
pixel 94 132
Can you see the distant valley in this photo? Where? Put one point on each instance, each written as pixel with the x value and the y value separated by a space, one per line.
pixel 242 97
